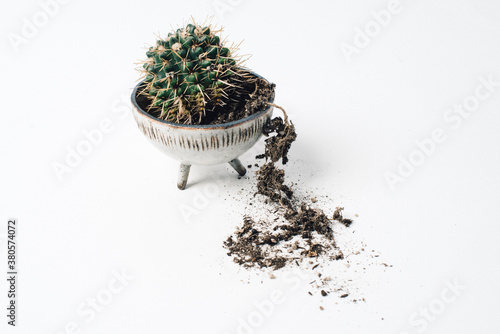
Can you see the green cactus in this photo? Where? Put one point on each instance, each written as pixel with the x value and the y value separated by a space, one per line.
pixel 190 73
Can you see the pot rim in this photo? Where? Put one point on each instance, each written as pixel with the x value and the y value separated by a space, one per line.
pixel 204 126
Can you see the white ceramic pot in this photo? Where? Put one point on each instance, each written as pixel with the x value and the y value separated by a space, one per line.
pixel 201 144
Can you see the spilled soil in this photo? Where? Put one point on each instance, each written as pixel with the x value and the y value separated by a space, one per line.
pixel 296 231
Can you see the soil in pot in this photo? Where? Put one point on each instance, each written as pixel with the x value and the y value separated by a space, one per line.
pixel 249 95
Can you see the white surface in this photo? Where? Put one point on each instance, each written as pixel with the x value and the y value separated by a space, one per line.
pixel 119 208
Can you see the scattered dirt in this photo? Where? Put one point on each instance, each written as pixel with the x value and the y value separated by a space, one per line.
pixel 299 234
pixel 337 215
pixel 296 231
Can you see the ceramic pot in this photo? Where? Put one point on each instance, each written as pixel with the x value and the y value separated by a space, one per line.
pixel 201 144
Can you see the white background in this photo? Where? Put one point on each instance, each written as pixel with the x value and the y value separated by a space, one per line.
pixel 118 209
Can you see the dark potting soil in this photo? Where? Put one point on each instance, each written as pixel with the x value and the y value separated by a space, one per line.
pixel 270 183
pixel 337 215
pixel 277 146
pixel 251 246
pixel 298 231
pixel 248 95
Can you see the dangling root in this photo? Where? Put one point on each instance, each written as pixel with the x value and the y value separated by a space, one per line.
pixel 281 108
pixel 277 146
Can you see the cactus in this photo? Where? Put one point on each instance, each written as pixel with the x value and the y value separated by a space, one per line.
pixel 190 73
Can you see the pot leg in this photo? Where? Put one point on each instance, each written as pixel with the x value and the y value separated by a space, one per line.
pixel 183 176
pixel 236 164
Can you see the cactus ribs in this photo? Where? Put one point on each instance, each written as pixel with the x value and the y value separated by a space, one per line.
pixel 191 77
